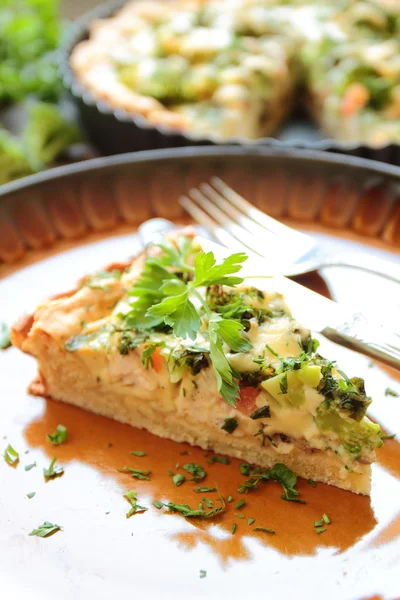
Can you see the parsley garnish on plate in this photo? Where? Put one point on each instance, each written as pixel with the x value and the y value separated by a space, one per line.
pixel 196 470
pixel 136 473
pixel 279 473
pixel 45 529
pixel 203 489
pixel 138 453
pixel 203 573
pixel 161 296
pixel 11 456
pixel 5 340
pixel 131 496
pixel 390 392
pixel 29 467
pixel 186 511
pixel 30 495
pixel 264 529
pixel 59 436
pixel 53 471
pixel 178 479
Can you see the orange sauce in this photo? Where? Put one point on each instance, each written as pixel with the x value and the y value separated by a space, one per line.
pixel 106 445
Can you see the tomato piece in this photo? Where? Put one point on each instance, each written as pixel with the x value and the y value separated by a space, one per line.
pixel 158 360
pixel 356 97
pixel 246 403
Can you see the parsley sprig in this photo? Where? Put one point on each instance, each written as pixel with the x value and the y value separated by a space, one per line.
pixel 165 294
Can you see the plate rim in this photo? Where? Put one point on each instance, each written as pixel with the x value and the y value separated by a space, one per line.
pixel 148 156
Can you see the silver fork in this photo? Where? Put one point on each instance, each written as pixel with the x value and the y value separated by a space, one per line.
pixel 238 224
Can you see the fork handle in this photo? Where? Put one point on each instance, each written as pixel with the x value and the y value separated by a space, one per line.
pixel 358 334
pixel 372 264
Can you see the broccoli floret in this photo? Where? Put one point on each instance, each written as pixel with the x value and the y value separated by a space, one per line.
pixel 47 134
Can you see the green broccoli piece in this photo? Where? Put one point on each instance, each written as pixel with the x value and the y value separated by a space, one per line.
pixel 13 161
pixel 47 134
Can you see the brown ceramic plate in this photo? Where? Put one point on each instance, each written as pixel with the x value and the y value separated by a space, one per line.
pixel 60 225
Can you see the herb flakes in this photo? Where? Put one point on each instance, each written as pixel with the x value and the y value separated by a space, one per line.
pixel 234 528
pixel 131 496
pixel 230 425
pixel 390 392
pixel 264 529
pixel 196 470
pixel 52 471
pixel 136 473
pixel 29 467
pixel 138 453
pixel 203 573
pixel 203 489
pixel 178 479
pixel 5 340
pixel 45 529
pixel 59 436
pixel 11 456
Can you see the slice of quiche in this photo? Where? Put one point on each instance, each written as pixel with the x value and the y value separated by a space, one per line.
pixel 179 344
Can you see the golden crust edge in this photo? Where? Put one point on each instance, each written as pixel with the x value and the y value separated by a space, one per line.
pixel 322 466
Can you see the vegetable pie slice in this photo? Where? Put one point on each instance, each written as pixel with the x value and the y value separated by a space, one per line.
pixel 177 344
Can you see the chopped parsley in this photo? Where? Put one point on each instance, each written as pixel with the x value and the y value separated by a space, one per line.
pixel 326 519
pixel 59 436
pixel 30 495
pixel 11 456
pixel 279 473
pixel 390 392
pixel 230 425
pixel 158 504
pixel 283 384
pixel 52 471
pixel 129 340
pixel 207 502
pixel 203 489
pixel 131 496
pixel 264 529
pixel 320 529
pixel 136 473
pixel 261 413
pixel 138 453
pixel 230 498
pixel 250 521
pixel 240 515
pixel 29 467
pixel 186 511
pixel 234 528
pixel 218 459
pixel 312 483
pixel 241 503
pixel 203 573
pixel 45 529
pixel 196 470
pixel 178 479
pixel 5 340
